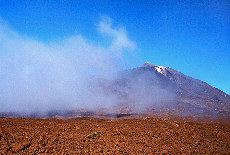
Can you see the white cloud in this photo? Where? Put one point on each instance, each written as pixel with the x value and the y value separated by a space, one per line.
pixel 38 76
pixel 120 40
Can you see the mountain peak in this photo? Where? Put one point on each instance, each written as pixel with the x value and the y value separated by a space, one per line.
pixel 147 64
pixel 159 69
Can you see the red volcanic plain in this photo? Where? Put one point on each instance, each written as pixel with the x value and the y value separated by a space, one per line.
pixel 142 135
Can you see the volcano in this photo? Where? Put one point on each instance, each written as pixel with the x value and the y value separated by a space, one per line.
pixel 162 88
pixel 148 89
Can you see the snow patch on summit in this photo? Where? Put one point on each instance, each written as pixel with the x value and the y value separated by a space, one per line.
pixel 160 69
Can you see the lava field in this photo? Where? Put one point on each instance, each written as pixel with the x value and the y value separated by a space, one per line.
pixel 129 135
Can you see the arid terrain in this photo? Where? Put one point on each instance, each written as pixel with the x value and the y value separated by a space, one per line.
pixel 139 135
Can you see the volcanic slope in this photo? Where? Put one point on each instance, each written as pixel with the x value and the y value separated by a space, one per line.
pixel 163 88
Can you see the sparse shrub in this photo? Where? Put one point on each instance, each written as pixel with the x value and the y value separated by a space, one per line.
pixel 94 134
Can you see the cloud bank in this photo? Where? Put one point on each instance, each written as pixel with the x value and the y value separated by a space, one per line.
pixel 37 76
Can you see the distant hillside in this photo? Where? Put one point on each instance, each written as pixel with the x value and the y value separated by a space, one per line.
pixel 170 89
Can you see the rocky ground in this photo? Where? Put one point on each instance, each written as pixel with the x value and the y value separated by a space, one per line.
pixel 142 135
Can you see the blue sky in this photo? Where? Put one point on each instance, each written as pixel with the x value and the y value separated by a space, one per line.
pixel 192 37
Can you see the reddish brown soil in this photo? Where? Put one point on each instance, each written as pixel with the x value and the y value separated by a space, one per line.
pixel 119 136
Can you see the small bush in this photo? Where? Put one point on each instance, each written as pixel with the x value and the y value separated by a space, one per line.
pixel 94 134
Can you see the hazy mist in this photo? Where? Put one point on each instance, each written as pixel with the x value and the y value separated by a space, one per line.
pixel 60 75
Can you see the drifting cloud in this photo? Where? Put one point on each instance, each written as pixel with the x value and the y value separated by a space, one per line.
pixel 72 74
pixel 36 76
pixel 120 40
